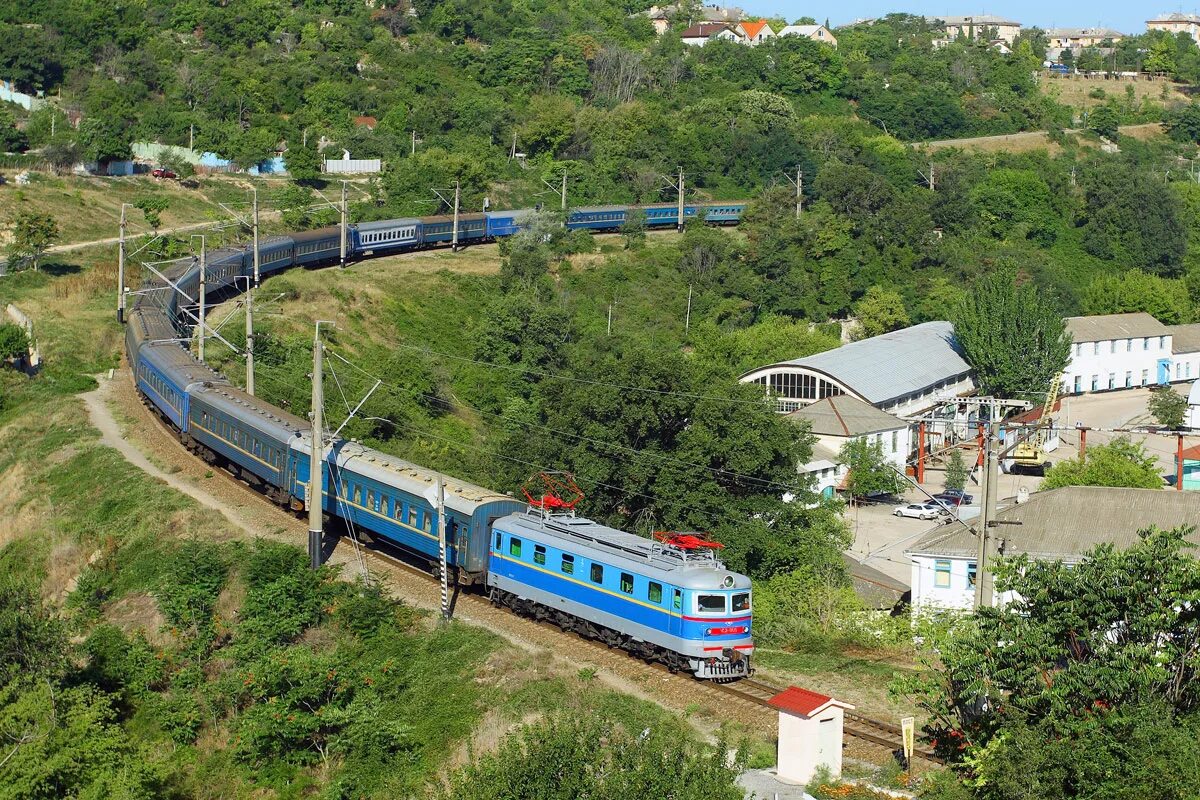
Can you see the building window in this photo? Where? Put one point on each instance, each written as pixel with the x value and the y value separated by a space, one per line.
pixel 895 441
pixel 539 554
pixel 972 571
pixel 1112 380
pixel 1095 382
pixel 514 547
pixel 1095 348
pixel 597 573
pixel 1128 378
pixel 1145 376
pixel 1113 346
pixel 1146 343
pixel 568 564
pixel 1078 384
pixel 1129 345
pixel 1079 349
pixel 654 592
pixel 941 574
pixel 626 583
pixel 1162 343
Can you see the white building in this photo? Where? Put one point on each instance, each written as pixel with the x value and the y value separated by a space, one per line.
pixel 701 34
pixel 1078 38
pixel 1185 351
pixel 1192 420
pixel 981 26
pixel 1117 351
pixel 904 373
pixel 1176 23
pixel 810 734
pixel 1061 524
pixel 754 33
pixel 842 418
pixel 818 33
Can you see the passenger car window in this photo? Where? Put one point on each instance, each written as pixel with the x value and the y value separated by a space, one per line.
pixel 654 592
pixel 711 603
pixel 597 573
pixel 514 547
pixel 626 583
pixel 568 564
pixel 741 601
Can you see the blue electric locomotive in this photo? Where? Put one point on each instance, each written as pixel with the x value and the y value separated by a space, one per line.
pixel 670 601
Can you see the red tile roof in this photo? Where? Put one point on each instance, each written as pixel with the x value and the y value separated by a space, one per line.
pixel 1192 453
pixel 802 701
pixel 752 28
pixel 369 122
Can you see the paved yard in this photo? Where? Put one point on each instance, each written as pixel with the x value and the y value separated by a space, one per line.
pixel 880 539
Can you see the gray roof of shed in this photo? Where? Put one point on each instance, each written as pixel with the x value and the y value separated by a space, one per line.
pixel 1103 327
pixel 1185 338
pixel 1068 522
pixel 876 589
pixel 895 364
pixel 843 415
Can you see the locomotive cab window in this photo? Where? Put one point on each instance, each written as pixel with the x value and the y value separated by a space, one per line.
pixel 654 592
pixel 568 564
pixel 597 573
pixel 710 603
pixel 514 547
pixel 626 583
pixel 499 541
pixel 741 601
pixel 539 554
pixel 677 600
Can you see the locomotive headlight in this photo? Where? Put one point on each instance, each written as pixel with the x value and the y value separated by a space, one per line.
pixel 728 582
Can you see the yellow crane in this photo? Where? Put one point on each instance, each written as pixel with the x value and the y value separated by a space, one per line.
pixel 1029 455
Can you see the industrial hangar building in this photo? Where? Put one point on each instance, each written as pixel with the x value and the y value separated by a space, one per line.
pixel 905 372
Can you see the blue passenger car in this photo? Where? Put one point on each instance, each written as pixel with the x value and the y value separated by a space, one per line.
pixel 441 228
pixel 385 236
pixel 320 246
pixel 662 215
pixel 659 600
pixel 274 254
pixel 249 433
pixel 386 496
pixel 724 213
pixel 506 223
pixel 597 218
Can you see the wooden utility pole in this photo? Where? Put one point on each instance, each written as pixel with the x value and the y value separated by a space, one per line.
pixel 454 231
pixel 342 242
pixel 256 259
pixel 250 340
pixel 316 460
pixel 679 222
pixel 120 265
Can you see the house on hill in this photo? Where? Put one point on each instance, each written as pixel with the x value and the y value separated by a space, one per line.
pixel 1176 23
pixel 986 27
pixel 701 34
pixel 1057 525
pixel 1117 351
pixel 839 419
pixel 754 33
pixel 818 33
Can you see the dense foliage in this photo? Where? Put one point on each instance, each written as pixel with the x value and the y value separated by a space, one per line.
pixel 1121 462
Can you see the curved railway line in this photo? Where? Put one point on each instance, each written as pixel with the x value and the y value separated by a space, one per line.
pixel 752 693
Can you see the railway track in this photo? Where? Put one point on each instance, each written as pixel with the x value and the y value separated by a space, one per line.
pixel 751 691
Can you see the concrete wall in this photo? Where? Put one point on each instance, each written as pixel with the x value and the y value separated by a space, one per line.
pixel 9 94
pixel 1116 364
pixel 1186 366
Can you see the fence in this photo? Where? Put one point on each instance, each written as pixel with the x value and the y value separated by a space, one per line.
pixel 345 166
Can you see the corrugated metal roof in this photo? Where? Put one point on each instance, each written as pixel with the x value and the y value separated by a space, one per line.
pixel 1114 326
pixel 1068 522
pixel 895 364
pixel 1185 338
pixel 843 415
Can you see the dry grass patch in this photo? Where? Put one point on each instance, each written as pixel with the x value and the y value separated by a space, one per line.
pixel 139 613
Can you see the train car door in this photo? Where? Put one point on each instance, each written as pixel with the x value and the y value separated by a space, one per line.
pixel 676 626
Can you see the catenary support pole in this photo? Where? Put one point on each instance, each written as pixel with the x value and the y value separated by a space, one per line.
pixel 256 257
pixel 799 191
pixel 454 232
pixel 687 320
pixel 443 546
pixel 120 266
pixel 987 513
pixel 679 221
pixel 316 461
pixel 342 241
pixel 203 289
pixel 250 340
pixel 563 193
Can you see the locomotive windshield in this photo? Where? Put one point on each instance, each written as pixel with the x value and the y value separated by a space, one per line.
pixel 741 601
pixel 711 603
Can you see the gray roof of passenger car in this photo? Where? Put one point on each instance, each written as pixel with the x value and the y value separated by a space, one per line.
pixel 404 475
pixel 892 365
pixel 271 420
pixel 1066 523
pixel 1102 327
pixel 385 224
pixel 619 548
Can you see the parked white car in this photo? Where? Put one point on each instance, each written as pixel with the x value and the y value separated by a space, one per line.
pixel 920 510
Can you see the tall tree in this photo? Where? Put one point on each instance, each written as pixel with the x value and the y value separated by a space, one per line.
pixel 879 311
pixel 870 472
pixel 1168 406
pixel 1012 335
